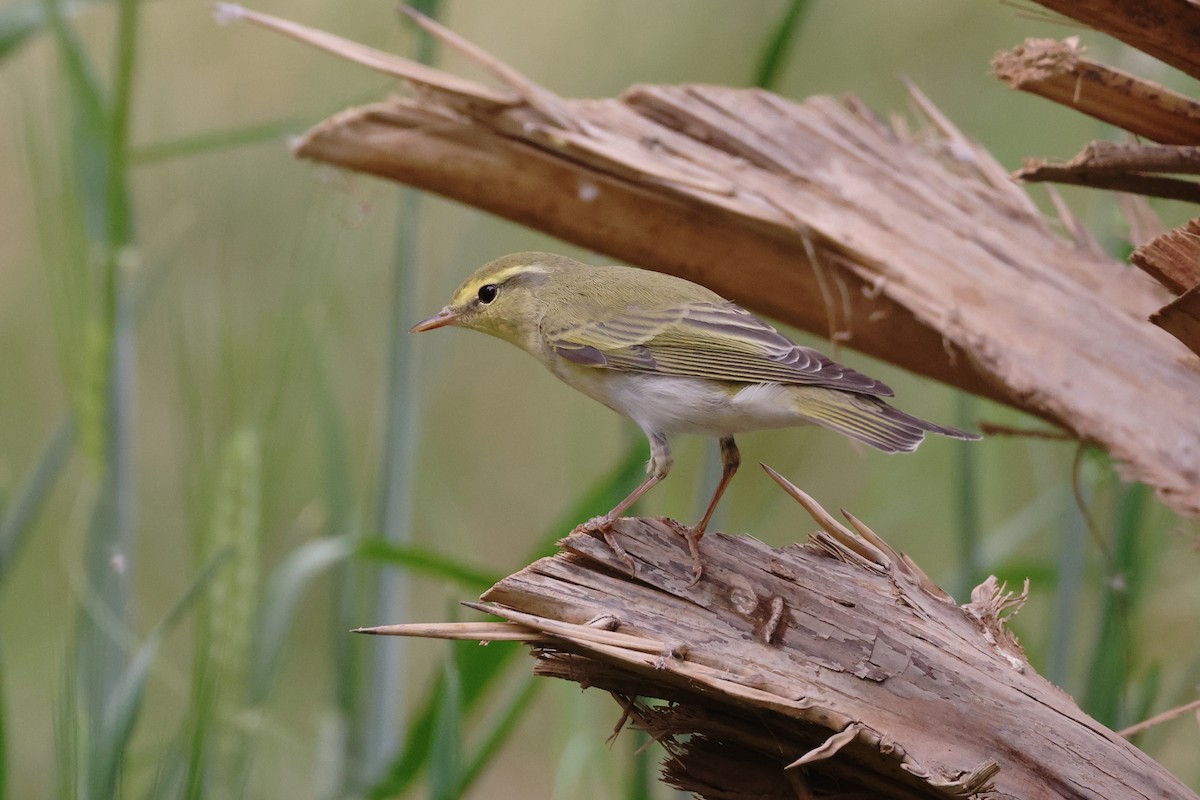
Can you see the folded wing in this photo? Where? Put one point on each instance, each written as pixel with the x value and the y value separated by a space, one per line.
pixel 721 341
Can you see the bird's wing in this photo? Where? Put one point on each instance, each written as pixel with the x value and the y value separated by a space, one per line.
pixel 703 339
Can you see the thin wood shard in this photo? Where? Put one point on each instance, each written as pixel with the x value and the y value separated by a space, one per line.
pixel 1058 71
pixel 1181 318
pixel 1124 168
pixel 1173 259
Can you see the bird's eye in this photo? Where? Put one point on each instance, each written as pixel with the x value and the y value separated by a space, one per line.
pixel 488 292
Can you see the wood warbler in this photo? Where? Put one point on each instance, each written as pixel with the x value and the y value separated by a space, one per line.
pixel 675 358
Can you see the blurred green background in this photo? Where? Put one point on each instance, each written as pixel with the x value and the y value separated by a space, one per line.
pixel 211 417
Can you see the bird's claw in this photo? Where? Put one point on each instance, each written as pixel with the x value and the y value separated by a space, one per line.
pixel 692 536
pixel 693 541
pixel 604 527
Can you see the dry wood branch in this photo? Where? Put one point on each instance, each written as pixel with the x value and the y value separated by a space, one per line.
pixel 1058 72
pixel 820 215
pixel 1169 30
pixel 873 684
pixel 1132 183
pixel 1123 168
pixel 1111 158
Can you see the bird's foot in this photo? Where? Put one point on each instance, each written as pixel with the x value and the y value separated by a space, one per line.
pixel 692 535
pixel 604 526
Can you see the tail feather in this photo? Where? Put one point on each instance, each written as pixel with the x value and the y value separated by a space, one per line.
pixel 870 420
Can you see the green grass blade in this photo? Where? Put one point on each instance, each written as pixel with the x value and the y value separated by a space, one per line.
pixel 426 562
pixel 67 745
pixel 21 512
pixel 1111 664
pixel 120 212
pixel 499 733
pixel 774 52
pixel 17 24
pixel 97 136
pixel 966 502
pixel 446 745
pixel 90 128
pixel 3 736
pixel 284 590
pixel 641 775
pixel 376 734
pixel 342 521
pixel 124 703
pixel 1144 696
pixel 1070 568
pixel 476 673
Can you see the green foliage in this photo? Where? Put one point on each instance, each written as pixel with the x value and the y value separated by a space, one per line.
pixel 774 53
pixel 445 746
pixel 17 24
pixel 20 513
pixel 124 703
pixel 1112 675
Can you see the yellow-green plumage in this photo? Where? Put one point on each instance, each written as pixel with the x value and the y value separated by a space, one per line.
pixel 674 357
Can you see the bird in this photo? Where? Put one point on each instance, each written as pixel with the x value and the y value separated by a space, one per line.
pixel 674 357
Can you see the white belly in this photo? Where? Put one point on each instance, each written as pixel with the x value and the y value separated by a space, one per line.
pixel 671 404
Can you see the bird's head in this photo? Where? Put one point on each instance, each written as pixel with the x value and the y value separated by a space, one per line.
pixel 502 298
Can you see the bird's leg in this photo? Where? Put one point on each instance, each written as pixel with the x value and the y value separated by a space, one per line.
pixel 658 467
pixel 605 524
pixel 730 460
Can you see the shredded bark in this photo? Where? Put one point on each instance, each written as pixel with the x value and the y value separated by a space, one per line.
pixel 1058 71
pixel 872 684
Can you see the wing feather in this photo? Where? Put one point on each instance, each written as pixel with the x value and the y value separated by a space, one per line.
pixel 721 341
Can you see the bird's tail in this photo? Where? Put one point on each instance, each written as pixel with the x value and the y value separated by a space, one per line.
pixel 869 419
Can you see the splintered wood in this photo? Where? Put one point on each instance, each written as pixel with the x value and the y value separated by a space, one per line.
pixel 1166 29
pixel 834 668
pixel 917 251
pixel 1059 71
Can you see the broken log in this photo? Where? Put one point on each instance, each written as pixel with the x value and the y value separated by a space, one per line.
pixel 832 668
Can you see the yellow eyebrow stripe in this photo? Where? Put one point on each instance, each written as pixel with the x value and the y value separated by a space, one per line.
pixel 469 290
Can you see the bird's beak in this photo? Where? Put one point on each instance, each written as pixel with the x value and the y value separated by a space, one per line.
pixel 447 316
